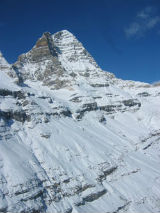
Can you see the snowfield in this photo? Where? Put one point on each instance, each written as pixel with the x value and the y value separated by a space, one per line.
pixel 74 138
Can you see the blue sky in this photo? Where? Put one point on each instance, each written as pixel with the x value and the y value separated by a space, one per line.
pixel 122 35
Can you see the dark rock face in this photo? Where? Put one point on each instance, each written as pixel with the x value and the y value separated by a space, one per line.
pixel 122 106
pixel 15 115
pixel 100 85
pixel 5 92
pixel 94 196
pixel 76 99
pixel 131 102
pixel 102 119
pixel 15 94
pixel 86 108
pixel 143 94
pixel 90 106
pixel 44 49
pixel 106 173
pixel 108 108
pixel 66 112
pixel 53 49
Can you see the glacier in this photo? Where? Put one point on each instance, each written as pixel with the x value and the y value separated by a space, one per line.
pixel 73 137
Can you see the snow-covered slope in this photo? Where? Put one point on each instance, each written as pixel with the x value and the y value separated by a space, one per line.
pixel 74 138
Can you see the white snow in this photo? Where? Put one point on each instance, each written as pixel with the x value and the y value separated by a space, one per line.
pixel 58 163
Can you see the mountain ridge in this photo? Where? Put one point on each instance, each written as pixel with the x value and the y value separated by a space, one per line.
pixel 74 138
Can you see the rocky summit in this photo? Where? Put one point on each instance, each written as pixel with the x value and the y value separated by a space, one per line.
pixel 74 138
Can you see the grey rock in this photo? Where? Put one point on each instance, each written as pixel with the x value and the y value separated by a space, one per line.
pixel 100 85
pixel 143 94
pixel 131 102
pixel 108 108
pixel 102 119
pixel 94 196
pixel 15 94
pixel 15 115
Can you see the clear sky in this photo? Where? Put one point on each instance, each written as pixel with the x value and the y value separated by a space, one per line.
pixel 122 35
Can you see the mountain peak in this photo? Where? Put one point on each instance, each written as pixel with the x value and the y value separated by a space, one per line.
pixel 73 53
pixel 64 32
pixel 55 57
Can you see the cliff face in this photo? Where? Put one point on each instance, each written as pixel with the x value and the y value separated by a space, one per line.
pixel 74 138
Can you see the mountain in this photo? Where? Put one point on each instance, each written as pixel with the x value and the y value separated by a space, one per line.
pixel 74 138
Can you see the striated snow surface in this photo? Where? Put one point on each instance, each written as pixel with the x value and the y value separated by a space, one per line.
pixel 74 138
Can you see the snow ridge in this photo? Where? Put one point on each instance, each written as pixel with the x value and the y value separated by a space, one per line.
pixel 74 138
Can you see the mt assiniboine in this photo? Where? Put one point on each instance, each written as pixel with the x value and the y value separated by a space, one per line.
pixel 74 138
